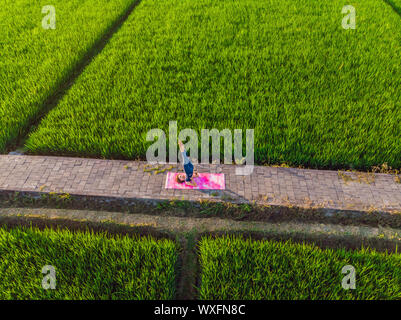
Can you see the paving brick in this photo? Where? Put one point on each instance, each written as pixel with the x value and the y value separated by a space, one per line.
pixel 127 179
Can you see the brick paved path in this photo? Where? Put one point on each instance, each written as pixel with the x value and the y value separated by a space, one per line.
pixel 128 179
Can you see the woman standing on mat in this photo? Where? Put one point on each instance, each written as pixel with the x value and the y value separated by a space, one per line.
pixel 188 168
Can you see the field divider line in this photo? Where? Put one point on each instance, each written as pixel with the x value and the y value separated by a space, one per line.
pixel 53 100
pixel 393 6
pixel 189 269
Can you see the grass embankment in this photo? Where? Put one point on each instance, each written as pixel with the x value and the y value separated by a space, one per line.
pixel 316 94
pixel 235 268
pixel 35 61
pixel 88 265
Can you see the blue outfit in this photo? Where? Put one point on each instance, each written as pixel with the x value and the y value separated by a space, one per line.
pixel 188 166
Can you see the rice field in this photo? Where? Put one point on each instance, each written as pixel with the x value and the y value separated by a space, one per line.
pixel 88 265
pixel 105 266
pixel 396 5
pixel 235 268
pixel 315 94
pixel 35 61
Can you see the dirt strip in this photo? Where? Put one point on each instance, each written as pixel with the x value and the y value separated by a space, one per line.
pixel 203 225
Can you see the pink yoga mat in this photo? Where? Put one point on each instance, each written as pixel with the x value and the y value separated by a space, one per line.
pixel 214 181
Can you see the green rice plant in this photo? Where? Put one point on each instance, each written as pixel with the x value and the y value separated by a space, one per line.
pixel 35 61
pixel 237 268
pixel 315 94
pixel 88 265
pixel 396 4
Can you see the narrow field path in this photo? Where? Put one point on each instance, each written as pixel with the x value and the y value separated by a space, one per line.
pixel 304 188
pixel 204 225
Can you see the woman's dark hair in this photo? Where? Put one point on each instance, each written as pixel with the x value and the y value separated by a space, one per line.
pixel 179 179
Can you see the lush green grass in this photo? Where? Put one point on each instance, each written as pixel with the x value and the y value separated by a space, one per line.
pixel 88 266
pixel 234 268
pixel 316 94
pixel 35 61
pixel 396 5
